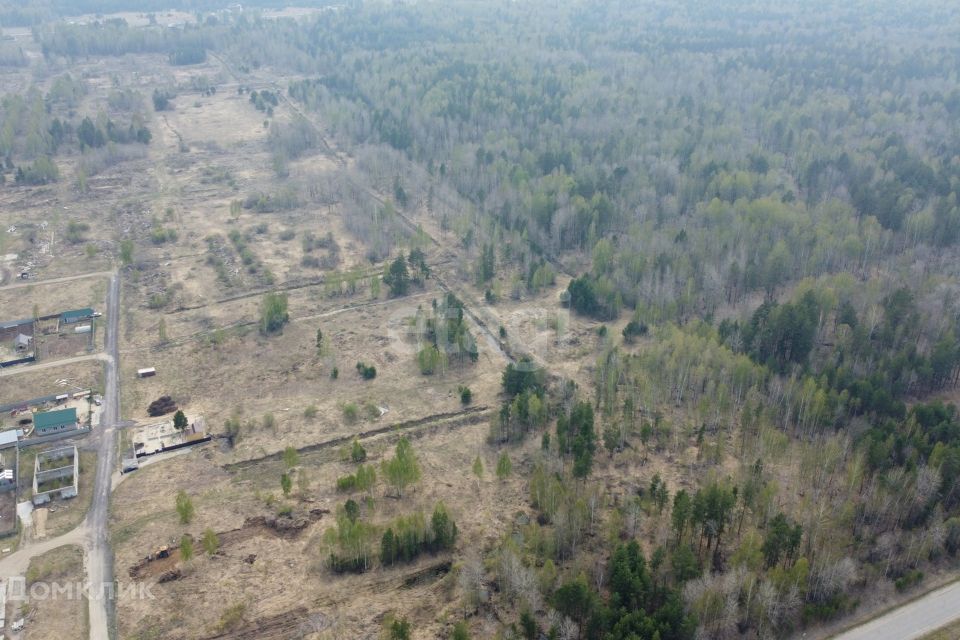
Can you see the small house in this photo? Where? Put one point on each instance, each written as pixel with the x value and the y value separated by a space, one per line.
pixel 55 421
pixel 146 372
pixel 22 342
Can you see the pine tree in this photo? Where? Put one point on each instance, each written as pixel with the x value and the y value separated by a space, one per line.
pixel 504 466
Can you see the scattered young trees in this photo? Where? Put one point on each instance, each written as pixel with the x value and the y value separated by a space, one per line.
pixel 403 469
pixel 366 371
pixel 504 466
pixel 184 507
pixel 409 536
pixel 186 548
pixel 445 337
pixel 350 542
pixel 273 313
pixel 576 436
pixel 362 479
pixel 397 277
pixel 210 541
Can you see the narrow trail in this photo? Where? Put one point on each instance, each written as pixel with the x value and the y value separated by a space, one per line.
pixel 452 419
pixel 21 284
pixel 51 364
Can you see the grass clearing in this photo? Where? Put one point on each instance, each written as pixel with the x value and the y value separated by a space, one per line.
pixel 65 614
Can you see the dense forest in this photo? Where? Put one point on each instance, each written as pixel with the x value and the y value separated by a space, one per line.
pixel 21 14
pixel 766 192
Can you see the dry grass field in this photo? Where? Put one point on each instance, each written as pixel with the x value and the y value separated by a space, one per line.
pixel 60 616
pixel 27 384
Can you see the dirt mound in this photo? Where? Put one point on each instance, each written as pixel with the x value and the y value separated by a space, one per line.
pixel 153 565
pixel 161 406
pixel 170 576
pixel 286 527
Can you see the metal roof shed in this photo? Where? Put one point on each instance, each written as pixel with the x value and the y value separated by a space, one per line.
pixel 55 420
pixel 75 315
pixel 8 438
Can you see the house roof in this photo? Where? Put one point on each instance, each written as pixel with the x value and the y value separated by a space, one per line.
pixel 8 437
pixel 58 418
pixel 23 339
pixel 76 314
pixel 12 324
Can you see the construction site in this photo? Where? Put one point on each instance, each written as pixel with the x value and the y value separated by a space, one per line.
pixel 166 436
pixel 55 475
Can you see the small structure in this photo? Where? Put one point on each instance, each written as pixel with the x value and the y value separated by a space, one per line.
pixel 129 464
pixel 55 471
pixel 76 315
pixel 82 328
pixel 146 372
pixel 8 438
pixel 55 421
pixel 14 325
pixel 163 436
pixel 9 463
pixel 16 341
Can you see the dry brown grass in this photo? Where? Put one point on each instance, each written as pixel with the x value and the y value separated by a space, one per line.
pixel 28 384
pixel 950 632
pixel 61 616
pixel 53 298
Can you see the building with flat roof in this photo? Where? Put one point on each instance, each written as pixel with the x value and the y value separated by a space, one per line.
pixel 54 421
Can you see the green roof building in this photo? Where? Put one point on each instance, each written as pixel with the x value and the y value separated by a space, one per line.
pixel 76 315
pixel 54 421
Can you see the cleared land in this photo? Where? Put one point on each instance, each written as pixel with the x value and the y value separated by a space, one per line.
pixel 63 615
pixel 191 309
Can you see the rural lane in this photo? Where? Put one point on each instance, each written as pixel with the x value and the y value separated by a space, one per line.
pixel 16 563
pixel 99 556
pixel 912 620
pixel 51 364
pixel 19 284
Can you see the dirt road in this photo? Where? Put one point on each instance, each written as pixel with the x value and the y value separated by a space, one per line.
pixel 912 620
pixel 51 364
pixel 20 284
pixel 98 553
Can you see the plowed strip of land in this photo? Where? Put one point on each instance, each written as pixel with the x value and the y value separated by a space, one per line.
pixel 471 415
